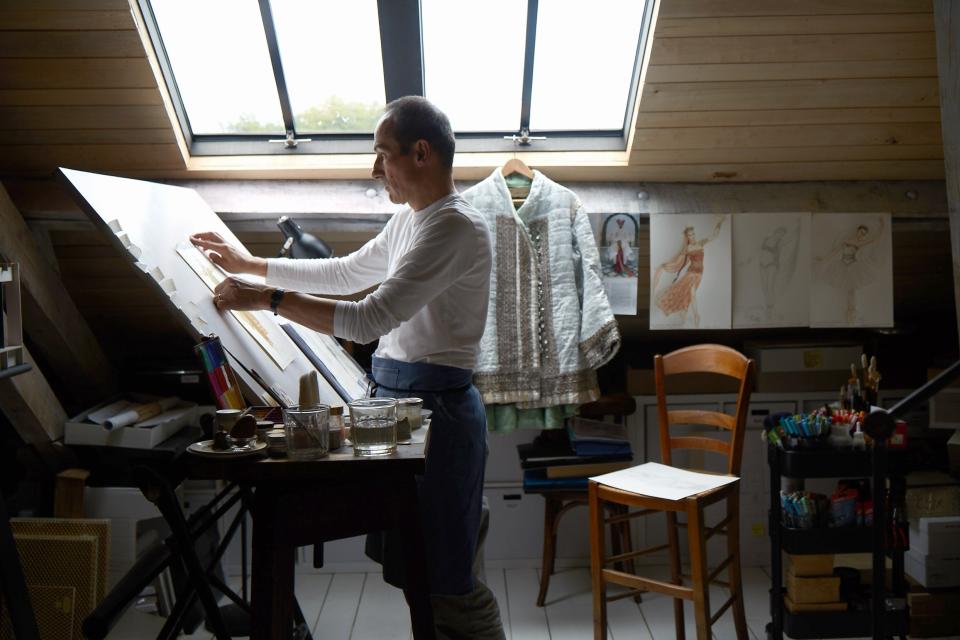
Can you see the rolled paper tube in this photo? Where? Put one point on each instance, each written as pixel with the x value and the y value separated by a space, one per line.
pixel 309 390
pixel 141 412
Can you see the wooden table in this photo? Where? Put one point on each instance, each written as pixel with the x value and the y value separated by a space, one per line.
pixel 298 503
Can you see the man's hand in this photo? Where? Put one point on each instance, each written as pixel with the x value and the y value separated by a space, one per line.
pixel 229 258
pixel 239 295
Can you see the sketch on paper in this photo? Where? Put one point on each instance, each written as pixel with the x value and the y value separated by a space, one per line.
pixel 852 282
pixel 277 346
pixel 690 271
pixel 771 270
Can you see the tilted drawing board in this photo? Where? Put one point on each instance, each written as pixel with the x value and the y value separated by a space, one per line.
pixel 150 223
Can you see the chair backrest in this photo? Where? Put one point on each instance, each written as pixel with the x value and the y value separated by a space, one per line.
pixel 704 358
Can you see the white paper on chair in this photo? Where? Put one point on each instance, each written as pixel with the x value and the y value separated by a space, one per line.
pixel 662 481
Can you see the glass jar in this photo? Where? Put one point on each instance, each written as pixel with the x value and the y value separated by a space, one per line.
pixel 307 431
pixel 373 426
pixel 408 417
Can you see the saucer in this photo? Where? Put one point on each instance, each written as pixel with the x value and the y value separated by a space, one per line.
pixel 205 449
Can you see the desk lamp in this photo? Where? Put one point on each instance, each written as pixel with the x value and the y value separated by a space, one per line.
pixel 299 244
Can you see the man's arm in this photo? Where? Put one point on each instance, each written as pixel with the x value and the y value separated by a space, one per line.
pixel 310 311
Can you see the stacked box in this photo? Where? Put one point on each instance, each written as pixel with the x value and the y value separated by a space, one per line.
pixel 811 585
pixel 934 556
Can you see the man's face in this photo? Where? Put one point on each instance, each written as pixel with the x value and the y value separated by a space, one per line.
pixel 396 170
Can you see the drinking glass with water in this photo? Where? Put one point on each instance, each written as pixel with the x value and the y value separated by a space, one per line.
pixel 307 432
pixel 373 427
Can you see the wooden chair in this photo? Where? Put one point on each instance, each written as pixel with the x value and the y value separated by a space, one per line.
pixel 557 503
pixel 700 359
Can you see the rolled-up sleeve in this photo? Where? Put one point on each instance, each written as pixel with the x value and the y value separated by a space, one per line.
pixel 441 252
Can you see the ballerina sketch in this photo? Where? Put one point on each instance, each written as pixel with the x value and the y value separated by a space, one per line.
pixel 771 247
pixel 679 296
pixel 852 271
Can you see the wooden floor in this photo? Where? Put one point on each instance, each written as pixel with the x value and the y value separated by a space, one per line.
pixel 360 606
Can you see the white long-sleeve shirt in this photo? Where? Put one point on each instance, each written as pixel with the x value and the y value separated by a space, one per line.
pixel 433 267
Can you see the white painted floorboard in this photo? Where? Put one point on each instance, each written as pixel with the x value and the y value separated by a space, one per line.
pixel 360 606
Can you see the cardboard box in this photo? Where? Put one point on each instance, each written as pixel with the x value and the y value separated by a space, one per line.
pixel 795 607
pixel 784 366
pixel 928 501
pixel 79 431
pixel 941 603
pixel 820 564
pixel 935 536
pixel 640 382
pixel 939 626
pixel 933 572
pixel 953 452
pixel 812 590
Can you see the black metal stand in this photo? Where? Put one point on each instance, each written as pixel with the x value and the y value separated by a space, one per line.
pixel 877 620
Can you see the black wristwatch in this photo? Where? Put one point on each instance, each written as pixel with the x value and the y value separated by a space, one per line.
pixel 275 298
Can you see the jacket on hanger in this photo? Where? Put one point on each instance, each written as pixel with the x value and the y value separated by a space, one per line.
pixel 549 323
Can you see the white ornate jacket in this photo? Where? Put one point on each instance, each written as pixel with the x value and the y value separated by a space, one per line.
pixel 549 323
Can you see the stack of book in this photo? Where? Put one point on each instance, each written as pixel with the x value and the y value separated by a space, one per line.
pixel 564 459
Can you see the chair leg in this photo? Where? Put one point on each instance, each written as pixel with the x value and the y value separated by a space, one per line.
pixel 676 574
pixel 698 568
pixel 551 508
pixel 733 572
pixel 626 543
pixel 596 564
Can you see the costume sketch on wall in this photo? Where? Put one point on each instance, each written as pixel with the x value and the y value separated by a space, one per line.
pixel 771 270
pixel 618 242
pixel 690 271
pixel 852 271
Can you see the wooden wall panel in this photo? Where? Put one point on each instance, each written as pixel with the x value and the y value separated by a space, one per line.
pixel 77 90
pixel 747 66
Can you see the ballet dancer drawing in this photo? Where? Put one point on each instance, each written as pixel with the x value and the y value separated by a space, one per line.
pixel 852 263
pixel 679 296
pixel 776 262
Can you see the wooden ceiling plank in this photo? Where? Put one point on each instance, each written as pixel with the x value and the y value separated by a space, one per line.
pixel 788 135
pixel 54 325
pixel 791 94
pixel 784 117
pixel 87 136
pixel 751 71
pixel 794 48
pixel 71 44
pixel 738 8
pixel 44 159
pixel 77 73
pixel 71 97
pixel 84 117
pixel 67 20
pixel 794 25
pixel 786 154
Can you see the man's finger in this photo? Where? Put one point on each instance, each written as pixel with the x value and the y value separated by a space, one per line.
pixel 207 236
pixel 215 257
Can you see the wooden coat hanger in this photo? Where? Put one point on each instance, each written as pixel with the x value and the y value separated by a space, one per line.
pixel 517 168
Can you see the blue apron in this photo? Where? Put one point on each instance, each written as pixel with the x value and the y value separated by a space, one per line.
pixel 451 489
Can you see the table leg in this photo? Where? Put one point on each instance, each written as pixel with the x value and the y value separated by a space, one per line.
pixel 272 588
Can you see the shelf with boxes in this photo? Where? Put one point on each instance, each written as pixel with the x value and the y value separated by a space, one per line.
pixel 814 599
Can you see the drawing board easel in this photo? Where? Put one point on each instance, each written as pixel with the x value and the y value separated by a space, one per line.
pixel 150 223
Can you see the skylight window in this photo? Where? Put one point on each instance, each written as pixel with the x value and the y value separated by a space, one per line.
pixel 312 76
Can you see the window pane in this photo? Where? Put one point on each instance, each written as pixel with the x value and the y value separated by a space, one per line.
pixel 583 63
pixel 332 63
pixel 220 60
pixel 473 61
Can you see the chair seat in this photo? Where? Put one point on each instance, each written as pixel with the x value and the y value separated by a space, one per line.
pixel 633 499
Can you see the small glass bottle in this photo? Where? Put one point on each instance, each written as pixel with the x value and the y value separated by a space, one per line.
pixel 336 427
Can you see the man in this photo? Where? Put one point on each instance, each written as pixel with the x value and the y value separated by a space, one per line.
pixel 432 262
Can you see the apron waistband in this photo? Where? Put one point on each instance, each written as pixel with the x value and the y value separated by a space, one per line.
pixel 419 376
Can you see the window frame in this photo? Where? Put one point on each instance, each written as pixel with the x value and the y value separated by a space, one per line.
pixel 400 25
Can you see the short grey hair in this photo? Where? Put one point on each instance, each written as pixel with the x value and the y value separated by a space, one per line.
pixel 416 118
